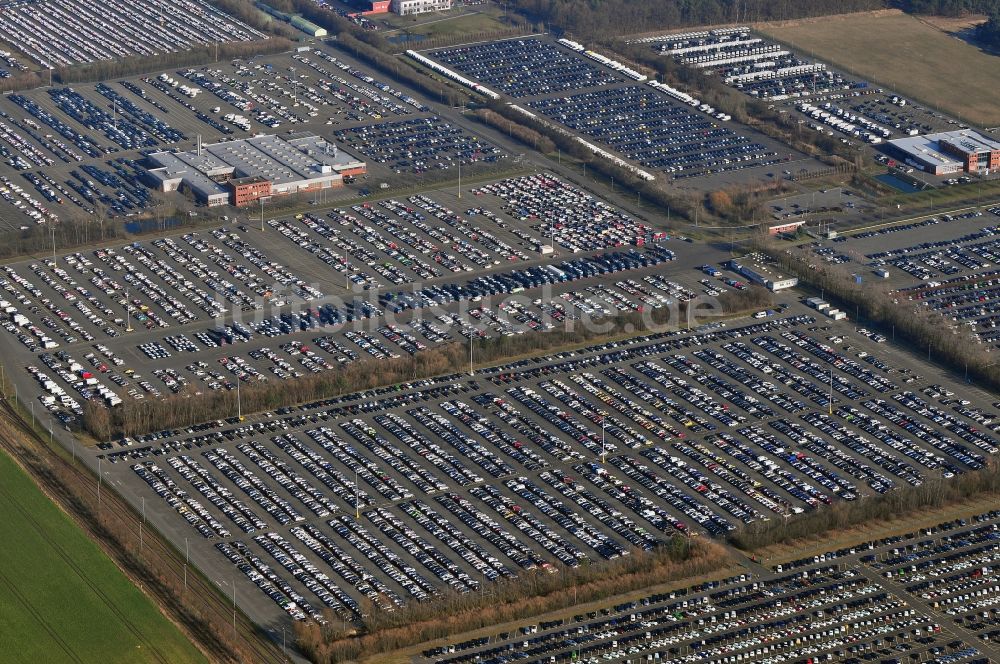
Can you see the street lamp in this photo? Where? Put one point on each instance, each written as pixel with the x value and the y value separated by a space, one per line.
pixel 262 199
pixel 128 312
pixel 604 453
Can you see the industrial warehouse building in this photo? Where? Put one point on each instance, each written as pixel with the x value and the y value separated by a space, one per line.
pixel 762 276
pixel 948 152
pixel 243 171
pixel 408 7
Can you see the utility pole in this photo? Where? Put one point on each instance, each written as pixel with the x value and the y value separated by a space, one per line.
pixel 239 404
pixel 472 371
pixel 52 228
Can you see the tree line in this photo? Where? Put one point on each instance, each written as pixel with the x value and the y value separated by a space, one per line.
pixel 531 594
pixel 187 407
pixel 947 7
pixel 104 70
pixel 934 493
pixel 603 18
pixel 402 70
pixel 925 330
pixel 526 135
pixel 988 32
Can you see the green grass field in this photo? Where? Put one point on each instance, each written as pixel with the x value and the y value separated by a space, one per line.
pixel 455 23
pixel 64 600
pixel 906 54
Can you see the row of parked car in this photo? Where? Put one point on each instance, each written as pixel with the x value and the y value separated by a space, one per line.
pixel 816 609
pixel 451 453
pixel 650 128
pixel 57 33
pixel 419 145
pixel 524 67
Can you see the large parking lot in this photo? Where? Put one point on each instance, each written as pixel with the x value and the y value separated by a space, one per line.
pixel 679 138
pixel 946 264
pixel 550 462
pixel 77 152
pixel 830 101
pixel 645 126
pixel 54 33
pixel 147 319
pixel 927 596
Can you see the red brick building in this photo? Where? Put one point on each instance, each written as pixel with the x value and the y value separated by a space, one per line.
pixel 247 190
pixel 978 153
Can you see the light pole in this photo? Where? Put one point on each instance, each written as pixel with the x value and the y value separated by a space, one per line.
pixel 128 312
pixel 262 199
pixel 830 399
pixel 604 453
pixel 357 500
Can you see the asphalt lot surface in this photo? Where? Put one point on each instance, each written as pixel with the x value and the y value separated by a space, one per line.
pixel 922 596
pixel 945 263
pixel 458 471
pixel 396 495
pixel 75 152
pixel 641 124
pixel 139 320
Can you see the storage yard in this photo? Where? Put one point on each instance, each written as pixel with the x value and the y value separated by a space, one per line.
pixel 589 455
pixel 372 260
pixel 417 363
pixel 919 61
pixel 923 596
pixel 394 495
pixel 56 33
pixel 944 265
pixel 80 152
pixel 832 102
pixel 660 129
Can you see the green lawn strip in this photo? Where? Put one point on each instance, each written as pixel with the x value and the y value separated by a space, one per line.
pixel 54 608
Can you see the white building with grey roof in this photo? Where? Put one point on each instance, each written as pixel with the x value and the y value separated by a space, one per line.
pixel 214 171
